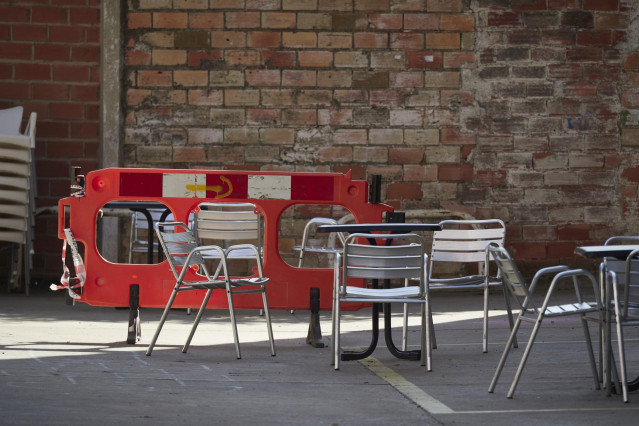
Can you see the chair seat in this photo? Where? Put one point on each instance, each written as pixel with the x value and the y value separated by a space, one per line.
pixel 381 293
pixel 570 308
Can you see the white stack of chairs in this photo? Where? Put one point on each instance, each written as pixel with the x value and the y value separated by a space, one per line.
pixel 17 193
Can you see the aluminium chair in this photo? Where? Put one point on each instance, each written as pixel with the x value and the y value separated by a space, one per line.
pixel 622 277
pixel 228 223
pixel 307 246
pixel 405 261
pixel 532 313
pixel 187 264
pixel 138 237
pixel 461 244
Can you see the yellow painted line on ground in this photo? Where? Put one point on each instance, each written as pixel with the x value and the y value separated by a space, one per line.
pixel 406 388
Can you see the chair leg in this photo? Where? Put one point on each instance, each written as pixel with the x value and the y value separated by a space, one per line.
pixel 511 321
pixel 336 336
pixel 504 355
pixel 267 314
pixel 426 346
pixel 622 354
pixel 198 317
pixel 485 331
pixel 524 357
pixel 591 354
pixel 164 315
pixel 236 339
pixel 405 329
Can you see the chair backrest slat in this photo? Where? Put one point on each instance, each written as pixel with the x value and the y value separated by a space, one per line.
pixel 466 245
pixel 510 274
pixel 383 262
pixel 227 221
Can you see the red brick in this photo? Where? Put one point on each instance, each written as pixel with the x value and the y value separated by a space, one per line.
pixel 51 52
pixel 424 59
pixel 242 57
pixel 443 41
pixel 65 149
pixel 456 172
pixel 49 15
pixel 14 13
pixel 263 117
pixel 405 155
pixel 601 4
pixel 421 21
pixel 407 41
pixel 15 90
pixel 529 4
pixel 458 59
pixel 85 15
pixel 366 40
pixel 335 117
pixel 631 61
pixel 201 58
pixel 155 78
pixel 280 20
pixel 298 78
pixel 138 20
pixel 85 130
pixel 205 20
pixel 278 58
pixel 85 93
pixel 385 21
pixel 528 250
pixel 228 39
pixel 574 232
pixel 29 32
pixel 594 38
pixel 558 250
pixel 66 34
pixel 68 111
pixel 20 51
pixel 335 40
pixel 315 58
pixel 631 174
pixel 507 19
pixel 453 137
pixel 296 117
pixel 182 154
pixel 45 91
pixel 457 22
pixel 33 71
pixel 263 77
pixel 584 54
pixel 85 53
pixel 404 191
pixel 170 20
pixel 134 57
pixel 242 20
pixel 406 79
pixel 264 39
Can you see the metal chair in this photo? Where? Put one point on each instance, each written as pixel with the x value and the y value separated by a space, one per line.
pixel 531 313
pixel 138 238
pixel 406 261
pixel 226 223
pixel 188 266
pixel 329 248
pixel 462 244
pixel 622 276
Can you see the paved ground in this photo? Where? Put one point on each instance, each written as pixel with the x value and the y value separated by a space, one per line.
pixel 69 365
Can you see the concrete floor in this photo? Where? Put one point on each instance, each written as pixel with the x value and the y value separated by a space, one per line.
pixel 70 365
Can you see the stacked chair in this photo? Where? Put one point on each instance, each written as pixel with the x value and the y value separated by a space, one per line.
pixel 17 193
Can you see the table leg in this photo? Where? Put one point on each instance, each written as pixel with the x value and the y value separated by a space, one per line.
pixel 353 355
pixel 411 355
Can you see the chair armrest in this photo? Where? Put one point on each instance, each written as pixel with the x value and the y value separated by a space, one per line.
pixel 545 271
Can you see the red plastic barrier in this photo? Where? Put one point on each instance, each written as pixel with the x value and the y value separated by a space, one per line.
pixel 108 284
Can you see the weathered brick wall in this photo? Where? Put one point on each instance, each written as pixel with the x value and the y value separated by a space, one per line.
pixel 553 94
pixel 510 109
pixel 49 63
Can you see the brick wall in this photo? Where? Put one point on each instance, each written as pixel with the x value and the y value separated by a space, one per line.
pixel 524 110
pixel 49 63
